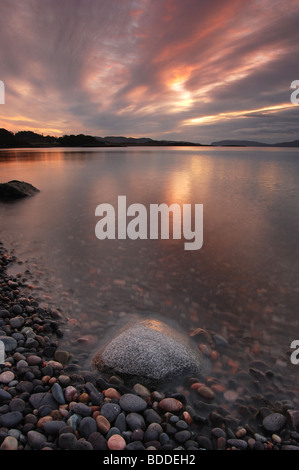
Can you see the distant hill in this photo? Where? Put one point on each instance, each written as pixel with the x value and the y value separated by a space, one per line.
pixel 238 143
pixel 294 143
pixel 252 143
pixel 125 140
pixel 34 140
pixel 120 140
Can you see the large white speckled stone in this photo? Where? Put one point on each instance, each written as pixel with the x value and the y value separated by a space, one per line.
pixel 152 350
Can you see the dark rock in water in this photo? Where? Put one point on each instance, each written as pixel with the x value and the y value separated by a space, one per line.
pixel 16 189
pixel 152 350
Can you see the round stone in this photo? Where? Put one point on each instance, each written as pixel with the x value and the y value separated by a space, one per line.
pixel 17 322
pixel 17 404
pixel 98 441
pixel 238 443
pixel 70 393
pixel 141 390
pixel 87 426
pixel 171 405
pixel 116 442
pixel 67 441
pixel 11 419
pixel 132 403
pixel 274 422
pixel 62 356
pixel 110 411
pixel 135 421
pixel 206 392
pixel 36 440
pixel 34 360
pixel 111 393
pixel 9 443
pixel 6 377
pixel 10 344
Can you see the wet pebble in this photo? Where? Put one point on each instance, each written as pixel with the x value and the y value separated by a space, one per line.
pixel 116 442
pixel 9 443
pixel 6 377
pixel 110 411
pixel 170 404
pixel 132 403
pixel 274 422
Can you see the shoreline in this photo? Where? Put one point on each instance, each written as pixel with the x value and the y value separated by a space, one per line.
pixel 47 403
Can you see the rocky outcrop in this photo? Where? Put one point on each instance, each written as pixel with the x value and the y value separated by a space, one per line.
pixel 153 351
pixel 16 189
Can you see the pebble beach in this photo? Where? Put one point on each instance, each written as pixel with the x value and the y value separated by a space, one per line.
pixel 49 402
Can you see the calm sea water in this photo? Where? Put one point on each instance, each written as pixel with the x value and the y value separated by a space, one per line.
pixel 243 283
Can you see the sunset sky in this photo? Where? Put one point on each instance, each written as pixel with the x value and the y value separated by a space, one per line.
pixel 167 69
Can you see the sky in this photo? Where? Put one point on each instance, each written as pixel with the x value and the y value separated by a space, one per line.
pixel 192 70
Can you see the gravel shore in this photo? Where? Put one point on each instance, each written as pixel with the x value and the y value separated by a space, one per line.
pixel 48 402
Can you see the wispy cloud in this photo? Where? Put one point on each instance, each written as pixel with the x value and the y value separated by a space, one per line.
pixel 139 67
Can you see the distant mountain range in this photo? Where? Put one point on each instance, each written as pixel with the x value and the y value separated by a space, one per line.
pixel 34 140
pixel 252 143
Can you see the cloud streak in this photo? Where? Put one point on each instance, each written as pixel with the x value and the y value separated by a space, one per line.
pixel 145 68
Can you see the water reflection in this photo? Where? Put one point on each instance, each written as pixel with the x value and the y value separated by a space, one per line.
pixel 244 280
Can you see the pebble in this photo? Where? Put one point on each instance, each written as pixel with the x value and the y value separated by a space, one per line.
pixel 34 360
pixel 10 344
pixel 141 390
pixel 70 393
pixel 110 411
pixel 6 377
pixel 121 422
pixel 135 421
pixel 36 440
pixel 206 392
pixel 67 441
pixel 205 442
pixel 230 396
pixel 17 404
pixel 58 394
pixel 182 436
pixel 103 424
pixel 97 441
pixel 132 403
pixel 116 442
pixel 61 356
pixel 17 322
pixel 87 426
pixel 53 427
pixel 274 422
pixel 81 409
pixel 238 443
pixel 9 443
pixel 4 395
pixel 170 404
pixel 11 419
pixel 111 393
pixel 276 438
